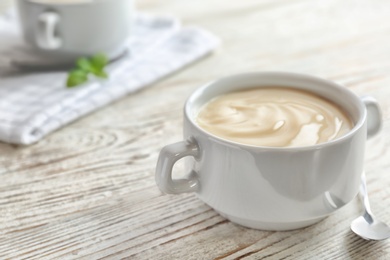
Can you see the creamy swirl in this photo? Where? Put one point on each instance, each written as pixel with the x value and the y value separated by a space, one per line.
pixel 274 116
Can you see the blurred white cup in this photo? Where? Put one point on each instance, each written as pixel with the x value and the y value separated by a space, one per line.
pixel 67 29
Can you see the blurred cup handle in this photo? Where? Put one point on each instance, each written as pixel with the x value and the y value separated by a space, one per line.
pixel 47 31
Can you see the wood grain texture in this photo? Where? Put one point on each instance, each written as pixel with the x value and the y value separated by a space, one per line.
pixel 87 191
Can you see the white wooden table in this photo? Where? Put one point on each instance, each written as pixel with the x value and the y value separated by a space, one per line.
pixel 87 191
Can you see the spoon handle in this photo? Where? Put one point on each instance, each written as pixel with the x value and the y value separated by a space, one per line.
pixel 364 197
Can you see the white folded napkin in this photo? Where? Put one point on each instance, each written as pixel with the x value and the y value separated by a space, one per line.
pixel 35 104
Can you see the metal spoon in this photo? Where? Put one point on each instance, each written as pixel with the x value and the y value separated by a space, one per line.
pixel 28 63
pixel 366 226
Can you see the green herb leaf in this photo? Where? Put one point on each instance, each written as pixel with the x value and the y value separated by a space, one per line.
pixel 76 77
pixel 84 66
pixel 99 61
pixel 101 74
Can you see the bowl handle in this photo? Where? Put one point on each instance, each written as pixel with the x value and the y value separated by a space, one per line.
pixel 169 155
pixel 374 115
